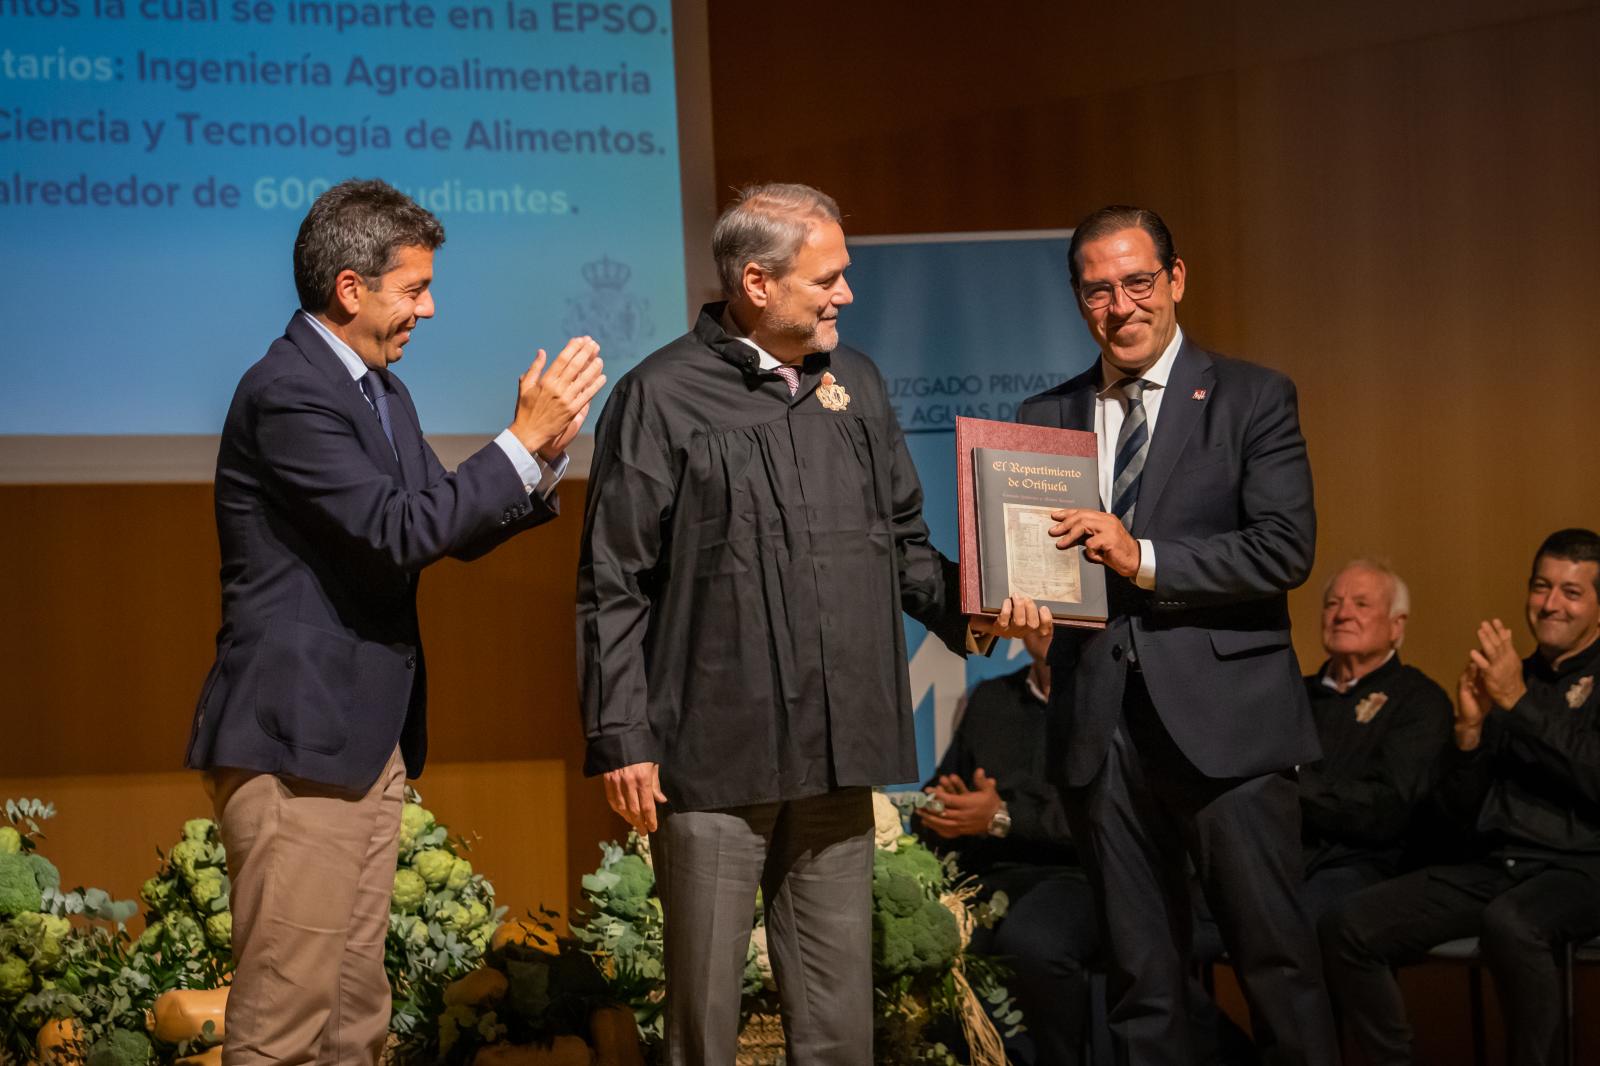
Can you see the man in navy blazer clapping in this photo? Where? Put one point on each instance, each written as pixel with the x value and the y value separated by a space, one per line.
pixel 329 503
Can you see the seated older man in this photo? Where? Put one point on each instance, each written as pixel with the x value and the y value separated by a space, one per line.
pixel 1383 725
pixel 1526 763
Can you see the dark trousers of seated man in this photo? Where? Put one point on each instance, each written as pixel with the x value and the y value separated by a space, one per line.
pixel 1049 939
pixel 812 860
pixel 1522 910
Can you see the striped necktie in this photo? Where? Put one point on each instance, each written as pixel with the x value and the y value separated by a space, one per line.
pixel 377 391
pixel 1133 444
pixel 790 376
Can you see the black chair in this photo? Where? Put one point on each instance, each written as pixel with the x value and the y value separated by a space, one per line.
pixel 1466 951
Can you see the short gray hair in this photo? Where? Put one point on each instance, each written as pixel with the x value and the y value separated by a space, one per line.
pixel 1399 593
pixel 765 225
pixel 360 226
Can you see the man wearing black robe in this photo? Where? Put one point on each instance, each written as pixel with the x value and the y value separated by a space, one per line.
pixel 754 530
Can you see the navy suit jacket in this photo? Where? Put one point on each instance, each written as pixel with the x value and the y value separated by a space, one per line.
pixel 324 530
pixel 1226 501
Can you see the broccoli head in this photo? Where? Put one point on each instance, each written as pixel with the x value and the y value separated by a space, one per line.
pixel 927 939
pixel 45 874
pixel 635 879
pixel 19 890
pixel 912 860
pixel 121 1047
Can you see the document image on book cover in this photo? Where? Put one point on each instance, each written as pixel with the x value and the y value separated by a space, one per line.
pixel 1034 566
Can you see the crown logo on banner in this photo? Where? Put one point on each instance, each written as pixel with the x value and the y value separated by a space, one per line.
pixel 606 273
pixel 618 319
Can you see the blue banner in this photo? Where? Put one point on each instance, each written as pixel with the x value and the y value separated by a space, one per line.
pixel 962 325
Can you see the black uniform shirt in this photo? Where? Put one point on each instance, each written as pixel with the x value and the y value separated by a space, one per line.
pixel 745 558
pixel 1357 802
pixel 1002 730
pixel 1534 779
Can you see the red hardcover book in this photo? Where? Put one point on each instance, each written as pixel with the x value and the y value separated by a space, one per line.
pixel 1009 478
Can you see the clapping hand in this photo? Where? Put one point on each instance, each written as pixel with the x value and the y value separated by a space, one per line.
pixel 1498 665
pixel 967 811
pixel 552 403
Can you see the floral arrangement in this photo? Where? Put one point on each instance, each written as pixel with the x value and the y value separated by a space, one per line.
pixel 925 983
pixel 441 918
pixel 533 989
pixel 188 930
pixel 52 970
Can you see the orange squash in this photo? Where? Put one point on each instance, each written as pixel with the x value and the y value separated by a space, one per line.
pixel 526 934
pixel 60 1043
pixel 481 987
pixel 183 1012
pixel 615 1037
pixel 565 1051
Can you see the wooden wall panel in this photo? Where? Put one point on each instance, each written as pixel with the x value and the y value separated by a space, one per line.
pixel 108 825
pixel 108 629
pixel 1394 206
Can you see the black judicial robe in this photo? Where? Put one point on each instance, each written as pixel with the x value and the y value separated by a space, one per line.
pixel 745 559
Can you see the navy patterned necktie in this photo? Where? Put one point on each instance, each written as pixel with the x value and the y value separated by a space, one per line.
pixel 377 391
pixel 1133 444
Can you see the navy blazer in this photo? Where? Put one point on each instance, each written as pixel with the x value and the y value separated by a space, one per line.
pixel 1226 501
pixel 324 529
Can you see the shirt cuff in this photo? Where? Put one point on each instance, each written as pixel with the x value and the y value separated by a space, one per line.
pixel 1146 577
pixel 538 476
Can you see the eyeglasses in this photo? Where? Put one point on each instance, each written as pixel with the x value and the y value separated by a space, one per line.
pixel 1136 286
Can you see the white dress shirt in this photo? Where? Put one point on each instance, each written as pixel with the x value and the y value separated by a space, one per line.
pixel 536 474
pixel 1109 413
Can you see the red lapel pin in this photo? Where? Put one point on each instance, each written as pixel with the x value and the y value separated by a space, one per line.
pixel 1199 394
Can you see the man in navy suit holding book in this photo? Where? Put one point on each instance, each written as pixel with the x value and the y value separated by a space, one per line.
pixel 1175 730
pixel 329 504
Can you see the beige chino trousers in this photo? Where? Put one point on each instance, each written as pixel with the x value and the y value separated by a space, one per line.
pixel 312 869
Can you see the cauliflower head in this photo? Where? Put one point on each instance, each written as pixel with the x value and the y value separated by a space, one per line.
pixel 43 938
pixel 198 830
pixel 415 820
pixel 207 887
pixel 434 865
pixel 409 891
pixel 15 978
pixel 219 929
pixel 10 841
pixel 460 875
